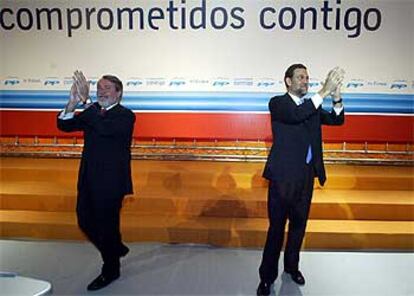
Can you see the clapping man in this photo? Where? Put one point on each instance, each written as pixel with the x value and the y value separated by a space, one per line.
pixel 105 171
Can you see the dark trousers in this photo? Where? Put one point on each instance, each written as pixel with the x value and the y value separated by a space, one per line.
pixel 99 219
pixel 286 200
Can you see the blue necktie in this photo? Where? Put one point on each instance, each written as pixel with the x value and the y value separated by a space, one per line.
pixel 309 155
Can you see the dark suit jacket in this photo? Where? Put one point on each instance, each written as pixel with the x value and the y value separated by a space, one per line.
pixel 105 168
pixel 294 128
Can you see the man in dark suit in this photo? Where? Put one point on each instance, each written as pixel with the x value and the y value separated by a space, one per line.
pixel 294 161
pixel 105 171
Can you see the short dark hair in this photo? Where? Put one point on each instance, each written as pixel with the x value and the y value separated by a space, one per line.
pixel 289 72
pixel 116 81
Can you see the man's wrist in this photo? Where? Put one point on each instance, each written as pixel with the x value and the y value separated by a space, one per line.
pixel 70 108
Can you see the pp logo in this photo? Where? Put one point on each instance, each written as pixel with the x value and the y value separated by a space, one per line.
pixel 133 83
pixel 399 85
pixel 11 82
pixel 265 84
pixel 354 84
pixel 177 83
pixel 313 84
pixel 220 83
pixel 51 82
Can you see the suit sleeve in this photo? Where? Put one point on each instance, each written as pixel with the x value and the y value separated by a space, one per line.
pixel 331 118
pixel 69 125
pixel 285 110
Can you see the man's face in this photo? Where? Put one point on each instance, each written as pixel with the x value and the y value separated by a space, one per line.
pixel 106 93
pixel 299 83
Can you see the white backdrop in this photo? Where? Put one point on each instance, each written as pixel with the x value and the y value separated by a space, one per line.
pixel 247 54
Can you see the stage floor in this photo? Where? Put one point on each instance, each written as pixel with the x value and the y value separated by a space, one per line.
pixel 165 269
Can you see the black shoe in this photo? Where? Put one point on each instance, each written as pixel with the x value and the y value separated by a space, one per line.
pixel 297 277
pixel 102 281
pixel 123 251
pixel 263 289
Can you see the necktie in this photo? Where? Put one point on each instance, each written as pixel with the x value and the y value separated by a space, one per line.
pixel 309 155
pixel 102 112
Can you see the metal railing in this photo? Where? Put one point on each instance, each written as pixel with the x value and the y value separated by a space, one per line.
pixel 251 151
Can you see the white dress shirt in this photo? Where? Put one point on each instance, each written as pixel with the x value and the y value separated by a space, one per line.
pixel 69 115
pixel 316 100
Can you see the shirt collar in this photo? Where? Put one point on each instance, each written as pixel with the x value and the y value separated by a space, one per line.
pixel 296 99
pixel 111 106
